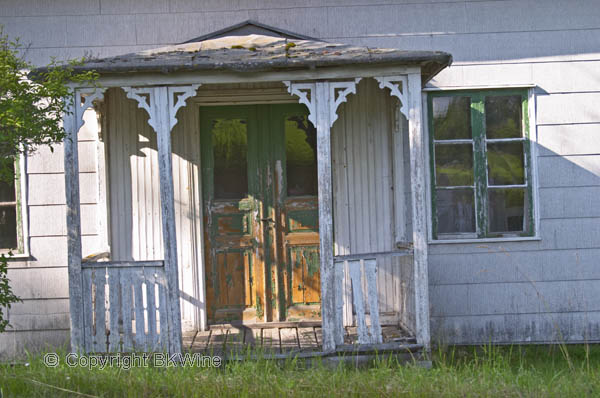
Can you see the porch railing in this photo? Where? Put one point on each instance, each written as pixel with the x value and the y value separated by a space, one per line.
pixel 124 306
pixel 361 294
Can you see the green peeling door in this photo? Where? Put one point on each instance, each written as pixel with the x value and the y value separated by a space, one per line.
pixel 259 174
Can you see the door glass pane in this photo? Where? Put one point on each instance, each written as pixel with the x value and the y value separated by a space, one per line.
pixel 507 210
pixel 455 210
pixel 8 227
pixel 301 156
pixel 453 164
pixel 230 151
pixel 503 116
pixel 452 118
pixel 505 163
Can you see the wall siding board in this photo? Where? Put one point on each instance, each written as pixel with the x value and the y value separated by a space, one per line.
pixel 48 189
pixel 509 267
pixel 46 161
pixel 92 30
pixel 515 298
pixel 569 171
pixel 52 283
pixel 568 139
pixel 119 7
pixel 571 202
pixel 518 328
pixel 48 32
pixel 568 108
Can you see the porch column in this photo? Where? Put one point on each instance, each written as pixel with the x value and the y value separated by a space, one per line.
pixel 72 121
pixel 331 334
pixel 419 213
pixel 162 104
pixel 73 232
pixel 407 88
pixel 322 100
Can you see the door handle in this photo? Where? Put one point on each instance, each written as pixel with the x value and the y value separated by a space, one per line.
pixel 269 220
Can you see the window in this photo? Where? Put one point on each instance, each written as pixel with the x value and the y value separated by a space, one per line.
pixel 480 164
pixel 11 231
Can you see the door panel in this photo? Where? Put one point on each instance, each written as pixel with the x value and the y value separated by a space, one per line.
pixel 261 213
pixel 227 136
pixel 299 219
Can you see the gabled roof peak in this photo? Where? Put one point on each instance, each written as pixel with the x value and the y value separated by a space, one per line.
pixel 250 27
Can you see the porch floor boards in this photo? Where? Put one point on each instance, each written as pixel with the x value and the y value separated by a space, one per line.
pixel 302 339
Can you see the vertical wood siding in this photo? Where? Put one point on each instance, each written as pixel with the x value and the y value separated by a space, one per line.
pixel 363 193
pixel 135 216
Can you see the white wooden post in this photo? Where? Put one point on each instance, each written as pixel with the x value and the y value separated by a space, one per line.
pixel 328 315
pixel 322 100
pixel 73 231
pixel 408 90
pixel 162 104
pixel 72 122
pixel 419 213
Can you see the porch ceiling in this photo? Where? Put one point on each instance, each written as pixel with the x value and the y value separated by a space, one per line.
pixel 258 53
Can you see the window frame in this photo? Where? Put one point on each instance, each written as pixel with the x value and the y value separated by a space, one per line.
pixel 22 250
pixel 480 168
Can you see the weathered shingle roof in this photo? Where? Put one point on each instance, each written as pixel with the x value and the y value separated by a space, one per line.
pixel 258 53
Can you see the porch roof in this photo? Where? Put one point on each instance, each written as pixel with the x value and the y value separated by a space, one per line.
pixel 259 53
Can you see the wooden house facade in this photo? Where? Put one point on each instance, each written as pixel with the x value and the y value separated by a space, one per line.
pixel 311 183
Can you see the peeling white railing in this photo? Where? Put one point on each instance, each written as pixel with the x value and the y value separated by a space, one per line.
pixel 124 306
pixel 359 294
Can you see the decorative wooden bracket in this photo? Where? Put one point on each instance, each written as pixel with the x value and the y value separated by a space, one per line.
pixel 398 86
pixel 341 89
pixel 338 91
pixel 306 95
pixel 147 98
pixel 84 99
pixel 177 97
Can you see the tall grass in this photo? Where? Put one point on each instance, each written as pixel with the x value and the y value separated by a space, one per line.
pixel 486 371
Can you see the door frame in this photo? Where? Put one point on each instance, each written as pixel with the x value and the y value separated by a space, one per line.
pixel 265 144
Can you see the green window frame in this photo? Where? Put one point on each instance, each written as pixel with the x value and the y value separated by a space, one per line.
pixel 12 207
pixel 484 190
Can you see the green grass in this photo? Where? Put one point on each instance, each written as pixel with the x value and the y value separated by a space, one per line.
pixel 491 371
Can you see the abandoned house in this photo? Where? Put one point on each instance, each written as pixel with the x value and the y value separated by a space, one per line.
pixel 318 177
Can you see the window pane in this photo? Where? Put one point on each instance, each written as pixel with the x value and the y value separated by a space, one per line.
pixel 505 163
pixel 452 118
pixel 503 116
pixel 230 149
pixel 301 156
pixel 7 190
pixel 507 210
pixel 455 210
pixel 8 228
pixel 453 164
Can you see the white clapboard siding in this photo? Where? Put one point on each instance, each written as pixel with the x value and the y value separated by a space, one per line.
pixel 363 191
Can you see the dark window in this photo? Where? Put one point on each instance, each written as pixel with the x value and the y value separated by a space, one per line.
pixel 301 156
pixel 8 216
pixel 480 154
pixel 230 151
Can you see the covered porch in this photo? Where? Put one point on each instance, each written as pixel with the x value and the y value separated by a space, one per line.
pixel 220 232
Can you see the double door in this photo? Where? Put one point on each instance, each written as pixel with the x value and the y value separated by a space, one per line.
pixel 259 173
